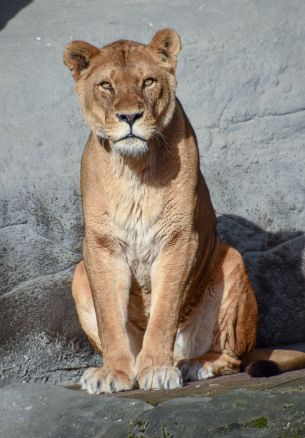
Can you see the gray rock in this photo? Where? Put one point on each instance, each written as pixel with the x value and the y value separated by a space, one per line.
pixel 40 410
pixel 275 265
pixel 241 81
pixel 240 413
pixel 48 411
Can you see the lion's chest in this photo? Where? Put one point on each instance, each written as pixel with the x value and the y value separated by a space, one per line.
pixel 141 253
pixel 136 219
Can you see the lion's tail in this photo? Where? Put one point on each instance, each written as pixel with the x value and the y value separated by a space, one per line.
pixel 268 362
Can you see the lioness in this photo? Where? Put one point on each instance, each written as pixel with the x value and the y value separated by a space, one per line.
pixel 157 294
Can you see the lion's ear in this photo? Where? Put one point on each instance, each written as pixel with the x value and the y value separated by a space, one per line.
pixel 167 43
pixel 78 55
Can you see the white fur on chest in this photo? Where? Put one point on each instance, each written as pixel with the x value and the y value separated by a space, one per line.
pixel 135 216
pixel 141 248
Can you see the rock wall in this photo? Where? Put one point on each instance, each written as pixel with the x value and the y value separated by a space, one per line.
pixel 241 81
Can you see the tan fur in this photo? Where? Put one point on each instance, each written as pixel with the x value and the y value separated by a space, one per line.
pixel 286 360
pixel 157 293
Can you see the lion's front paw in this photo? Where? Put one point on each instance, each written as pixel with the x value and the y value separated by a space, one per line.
pixel 160 377
pixel 97 380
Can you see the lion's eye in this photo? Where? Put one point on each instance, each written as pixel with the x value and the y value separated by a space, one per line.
pixel 148 82
pixel 105 86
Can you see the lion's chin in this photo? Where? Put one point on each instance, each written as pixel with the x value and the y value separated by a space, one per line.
pixel 131 147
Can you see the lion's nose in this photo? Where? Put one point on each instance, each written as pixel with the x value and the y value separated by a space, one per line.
pixel 129 118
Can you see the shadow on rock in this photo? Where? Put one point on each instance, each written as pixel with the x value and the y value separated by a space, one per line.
pixel 10 8
pixel 275 265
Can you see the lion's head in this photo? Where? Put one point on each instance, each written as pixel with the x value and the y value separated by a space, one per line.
pixel 126 89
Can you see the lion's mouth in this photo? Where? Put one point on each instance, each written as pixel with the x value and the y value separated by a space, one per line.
pixel 131 145
pixel 131 136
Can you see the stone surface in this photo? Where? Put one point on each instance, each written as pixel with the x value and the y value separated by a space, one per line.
pixel 241 81
pixel 240 413
pixel 37 410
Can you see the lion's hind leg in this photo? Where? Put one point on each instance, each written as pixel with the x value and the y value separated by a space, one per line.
pixel 81 292
pixel 234 331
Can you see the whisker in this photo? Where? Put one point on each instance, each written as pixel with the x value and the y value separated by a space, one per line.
pixel 163 137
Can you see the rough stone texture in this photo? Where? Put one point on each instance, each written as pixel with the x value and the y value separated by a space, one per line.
pixel 241 81
pixel 238 414
pixel 55 412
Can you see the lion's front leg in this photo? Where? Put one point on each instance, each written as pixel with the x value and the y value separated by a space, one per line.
pixel 154 364
pixel 109 278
